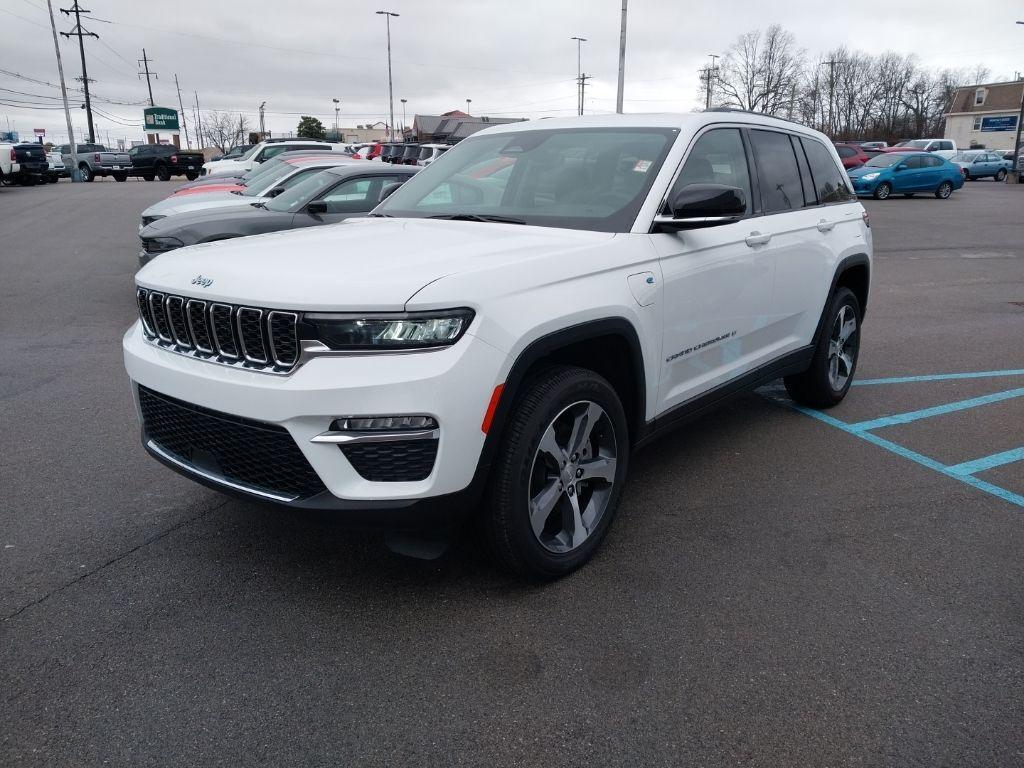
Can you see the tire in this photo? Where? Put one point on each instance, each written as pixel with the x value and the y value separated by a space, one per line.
pixel 120 176
pixel 882 191
pixel 86 172
pixel 191 175
pixel 945 190
pixel 148 176
pixel 163 173
pixel 820 386
pixel 535 461
pixel 1001 175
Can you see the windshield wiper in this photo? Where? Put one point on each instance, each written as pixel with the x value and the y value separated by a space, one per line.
pixel 381 215
pixel 236 192
pixel 477 217
pixel 259 204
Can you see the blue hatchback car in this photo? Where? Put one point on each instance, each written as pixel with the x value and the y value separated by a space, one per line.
pixel 906 173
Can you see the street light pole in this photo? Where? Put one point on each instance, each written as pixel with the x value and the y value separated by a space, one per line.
pixel 403 117
pixel 468 102
pixel 622 60
pixel 1016 142
pixel 263 128
pixel 391 95
pixel 337 114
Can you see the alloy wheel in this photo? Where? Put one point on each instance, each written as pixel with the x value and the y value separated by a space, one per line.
pixel 842 348
pixel 572 476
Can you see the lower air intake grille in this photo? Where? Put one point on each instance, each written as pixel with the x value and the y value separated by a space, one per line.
pixel 401 461
pixel 260 456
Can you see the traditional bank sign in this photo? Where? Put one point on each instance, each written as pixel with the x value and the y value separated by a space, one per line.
pixel 160 120
pixel 1006 123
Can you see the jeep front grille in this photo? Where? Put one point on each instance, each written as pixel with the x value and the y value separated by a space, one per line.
pixel 250 337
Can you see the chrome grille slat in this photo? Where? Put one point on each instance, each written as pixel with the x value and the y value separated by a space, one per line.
pixel 179 323
pixel 250 334
pixel 157 305
pixel 195 311
pixel 252 338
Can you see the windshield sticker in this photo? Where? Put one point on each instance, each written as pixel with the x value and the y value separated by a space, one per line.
pixel 642 166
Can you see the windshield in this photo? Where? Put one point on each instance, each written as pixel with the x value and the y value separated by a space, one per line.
pixel 306 190
pixel 249 153
pixel 966 156
pixel 579 178
pixel 917 144
pixel 884 161
pixel 258 187
pixel 268 168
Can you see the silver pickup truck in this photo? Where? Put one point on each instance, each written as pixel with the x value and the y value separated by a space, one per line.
pixel 96 160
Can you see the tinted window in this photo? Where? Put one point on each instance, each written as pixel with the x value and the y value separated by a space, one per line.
pixel 845 151
pixel 578 178
pixel 778 173
pixel 716 158
pixel 914 162
pixel 931 162
pixel 829 178
pixel 945 145
pixel 357 195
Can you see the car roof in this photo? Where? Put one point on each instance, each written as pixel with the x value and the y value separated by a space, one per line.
pixel 352 169
pixel 325 159
pixel 689 121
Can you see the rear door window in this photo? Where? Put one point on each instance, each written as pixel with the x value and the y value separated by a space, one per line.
pixel 829 178
pixel 717 157
pixel 777 172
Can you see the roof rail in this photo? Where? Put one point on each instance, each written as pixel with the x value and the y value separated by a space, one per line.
pixel 751 112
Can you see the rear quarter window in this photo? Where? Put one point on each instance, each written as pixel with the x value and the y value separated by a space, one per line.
pixel 778 172
pixel 829 179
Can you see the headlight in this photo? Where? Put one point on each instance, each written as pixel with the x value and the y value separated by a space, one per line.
pixel 407 330
pixel 870 176
pixel 160 244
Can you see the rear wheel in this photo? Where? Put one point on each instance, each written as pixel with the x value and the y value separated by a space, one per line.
pixel 163 173
pixel 86 172
pixel 191 175
pixel 883 190
pixel 945 190
pixel 827 380
pixel 558 478
pixel 1001 174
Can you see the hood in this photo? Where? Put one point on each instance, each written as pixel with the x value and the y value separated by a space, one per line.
pixel 205 188
pixel 854 173
pixel 173 226
pixel 357 265
pixel 182 203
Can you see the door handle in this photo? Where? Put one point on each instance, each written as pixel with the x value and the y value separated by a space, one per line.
pixel 826 226
pixel 756 238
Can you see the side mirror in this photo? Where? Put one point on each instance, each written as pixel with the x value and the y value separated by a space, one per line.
pixel 388 190
pixel 275 192
pixel 703 205
pixel 316 208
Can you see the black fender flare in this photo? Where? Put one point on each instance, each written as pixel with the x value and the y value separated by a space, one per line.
pixel 854 260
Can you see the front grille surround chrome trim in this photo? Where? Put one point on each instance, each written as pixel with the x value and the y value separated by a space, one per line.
pixel 158 307
pixel 270 335
pixel 176 306
pixel 216 337
pixel 241 335
pixel 191 326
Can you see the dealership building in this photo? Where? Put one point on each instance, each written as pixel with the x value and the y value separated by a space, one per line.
pixel 985 115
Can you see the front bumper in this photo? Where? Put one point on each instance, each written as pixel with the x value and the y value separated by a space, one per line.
pixel 452 385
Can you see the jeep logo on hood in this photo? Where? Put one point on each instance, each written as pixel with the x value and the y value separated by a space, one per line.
pixel 205 282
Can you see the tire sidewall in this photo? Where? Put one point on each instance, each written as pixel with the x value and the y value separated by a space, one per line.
pixel 843 297
pixel 581 385
pixel 878 191
pixel 948 187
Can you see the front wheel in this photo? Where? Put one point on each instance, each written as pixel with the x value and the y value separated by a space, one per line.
pixel 828 379
pixel 558 478
pixel 1001 175
pixel 945 190
pixel 883 190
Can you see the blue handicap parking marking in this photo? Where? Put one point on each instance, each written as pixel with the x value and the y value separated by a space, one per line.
pixel 964 472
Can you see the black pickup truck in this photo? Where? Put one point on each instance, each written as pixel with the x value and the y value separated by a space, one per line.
pixel 162 161
pixel 35 168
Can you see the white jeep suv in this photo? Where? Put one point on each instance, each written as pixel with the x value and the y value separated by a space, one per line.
pixel 508 326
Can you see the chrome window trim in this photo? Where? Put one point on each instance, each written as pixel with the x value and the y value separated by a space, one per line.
pixel 241 337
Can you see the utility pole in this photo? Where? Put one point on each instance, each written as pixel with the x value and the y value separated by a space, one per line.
pixel 622 60
pixel 80 33
pixel 337 114
pixel 831 91
pixel 579 73
pixel 199 121
pixel 403 116
pixel 64 94
pixel 263 127
pixel 391 94
pixel 181 107
pixel 709 75
pixel 1015 171
pixel 583 88
pixel 144 62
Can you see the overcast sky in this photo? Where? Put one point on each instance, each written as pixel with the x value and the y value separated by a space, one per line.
pixel 510 58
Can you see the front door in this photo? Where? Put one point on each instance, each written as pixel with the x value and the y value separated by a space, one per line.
pixel 717 280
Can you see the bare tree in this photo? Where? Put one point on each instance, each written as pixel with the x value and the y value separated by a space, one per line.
pixel 761 72
pixel 225 129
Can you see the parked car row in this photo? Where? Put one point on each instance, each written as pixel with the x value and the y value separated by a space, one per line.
pixel 295 189
pixel 907 173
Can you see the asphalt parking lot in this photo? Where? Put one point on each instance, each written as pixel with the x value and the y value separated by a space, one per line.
pixel 780 588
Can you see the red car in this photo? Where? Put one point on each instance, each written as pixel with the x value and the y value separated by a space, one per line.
pixel 852 155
